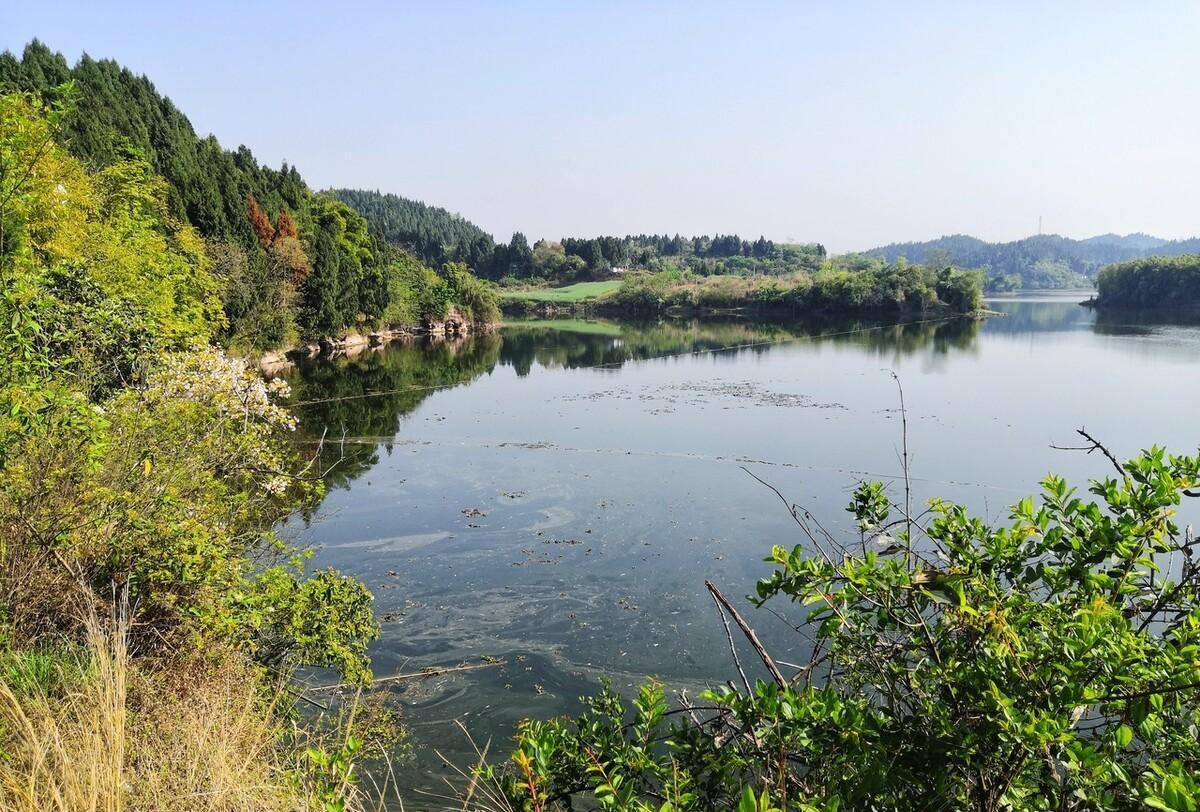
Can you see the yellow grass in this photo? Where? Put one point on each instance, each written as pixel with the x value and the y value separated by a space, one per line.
pixel 118 741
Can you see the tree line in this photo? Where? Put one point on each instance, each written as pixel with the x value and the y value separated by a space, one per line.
pixel 291 263
pixel 436 235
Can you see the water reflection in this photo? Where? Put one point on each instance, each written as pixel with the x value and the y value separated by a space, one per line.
pixel 572 344
pixel 355 404
pixel 1027 315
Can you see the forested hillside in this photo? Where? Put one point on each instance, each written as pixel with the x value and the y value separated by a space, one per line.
pixel 433 234
pixel 146 605
pixel 288 262
pixel 1042 261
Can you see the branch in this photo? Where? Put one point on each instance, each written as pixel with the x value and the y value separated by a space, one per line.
pixel 755 643
pixel 732 648
pixel 430 672
pixel 1170 689
pixel 1094 445
pixel 908 520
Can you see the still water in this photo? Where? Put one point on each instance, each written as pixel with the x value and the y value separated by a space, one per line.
pixel 555 495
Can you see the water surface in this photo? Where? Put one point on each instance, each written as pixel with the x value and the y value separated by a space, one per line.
pixel 556 494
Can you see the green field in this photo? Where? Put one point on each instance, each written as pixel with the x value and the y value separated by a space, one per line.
pixel 571 294
pixel 587 327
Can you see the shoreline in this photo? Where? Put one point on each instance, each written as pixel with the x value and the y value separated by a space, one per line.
pixel 550 310
pixel 350 344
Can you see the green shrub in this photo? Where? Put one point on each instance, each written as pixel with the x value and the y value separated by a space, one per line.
pixel 1049 664
pixel 416 293
pixel 474 297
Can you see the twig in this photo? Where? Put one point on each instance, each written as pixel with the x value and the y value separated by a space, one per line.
pixel 432 672
pixel 312 702
pixel 793 510
pixel 758 647
pixel 687 705
pixel 1170 689
pixel 908 520
pixel 1095 445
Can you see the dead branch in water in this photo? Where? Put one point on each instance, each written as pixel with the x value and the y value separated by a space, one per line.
pixel 428 672
pixel 747 630
pixel 737 662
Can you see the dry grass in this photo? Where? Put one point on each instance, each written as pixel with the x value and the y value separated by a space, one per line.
pixel 117 740
pixel 67 754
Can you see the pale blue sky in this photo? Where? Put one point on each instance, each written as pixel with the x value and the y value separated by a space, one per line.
pixel 849 123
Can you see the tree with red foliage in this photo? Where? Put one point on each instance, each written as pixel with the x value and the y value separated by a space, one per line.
pixel 260 223
pixel 286 227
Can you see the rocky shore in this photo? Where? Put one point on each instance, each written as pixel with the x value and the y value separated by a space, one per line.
pixel 454 325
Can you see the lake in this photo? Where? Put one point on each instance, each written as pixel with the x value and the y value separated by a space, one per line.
pixel 555 495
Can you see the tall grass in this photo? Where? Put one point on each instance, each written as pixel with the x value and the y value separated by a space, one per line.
pixel 104 735
pixel 67 753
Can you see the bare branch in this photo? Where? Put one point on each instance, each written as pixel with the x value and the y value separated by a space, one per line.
pixel 732 648
pixel 755 643
pixel 1095 445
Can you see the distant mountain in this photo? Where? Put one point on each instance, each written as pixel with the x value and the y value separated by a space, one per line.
pixel 1135 242
pixel 1042 261
pixel 432 233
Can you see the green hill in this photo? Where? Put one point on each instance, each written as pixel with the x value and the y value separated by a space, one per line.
pixel 1042 261
pixel 432 233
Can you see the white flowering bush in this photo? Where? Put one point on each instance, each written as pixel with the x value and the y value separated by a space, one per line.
pixel 227 384
pixel 238 404
pixel 176 502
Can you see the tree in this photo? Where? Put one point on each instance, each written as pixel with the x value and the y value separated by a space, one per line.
pixel 519 256
pixel 322 289
pixel 594 256
pixel 285 228
pixel 260 223
pixel 548 258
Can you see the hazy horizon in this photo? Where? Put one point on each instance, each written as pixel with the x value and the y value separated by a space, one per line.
pixel 855 126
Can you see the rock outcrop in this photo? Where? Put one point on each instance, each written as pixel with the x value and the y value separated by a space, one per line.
pixel 453 326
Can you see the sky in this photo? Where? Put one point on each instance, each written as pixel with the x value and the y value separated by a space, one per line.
pixel 852 124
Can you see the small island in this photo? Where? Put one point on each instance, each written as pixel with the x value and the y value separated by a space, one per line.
pixel 1161 283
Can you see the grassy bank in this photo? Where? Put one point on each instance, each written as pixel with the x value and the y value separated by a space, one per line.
pixel 578 293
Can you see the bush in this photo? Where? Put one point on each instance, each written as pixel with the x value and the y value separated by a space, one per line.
pixel 1051 664
pixel 417 293
pixel 173 497
pixel 474 297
